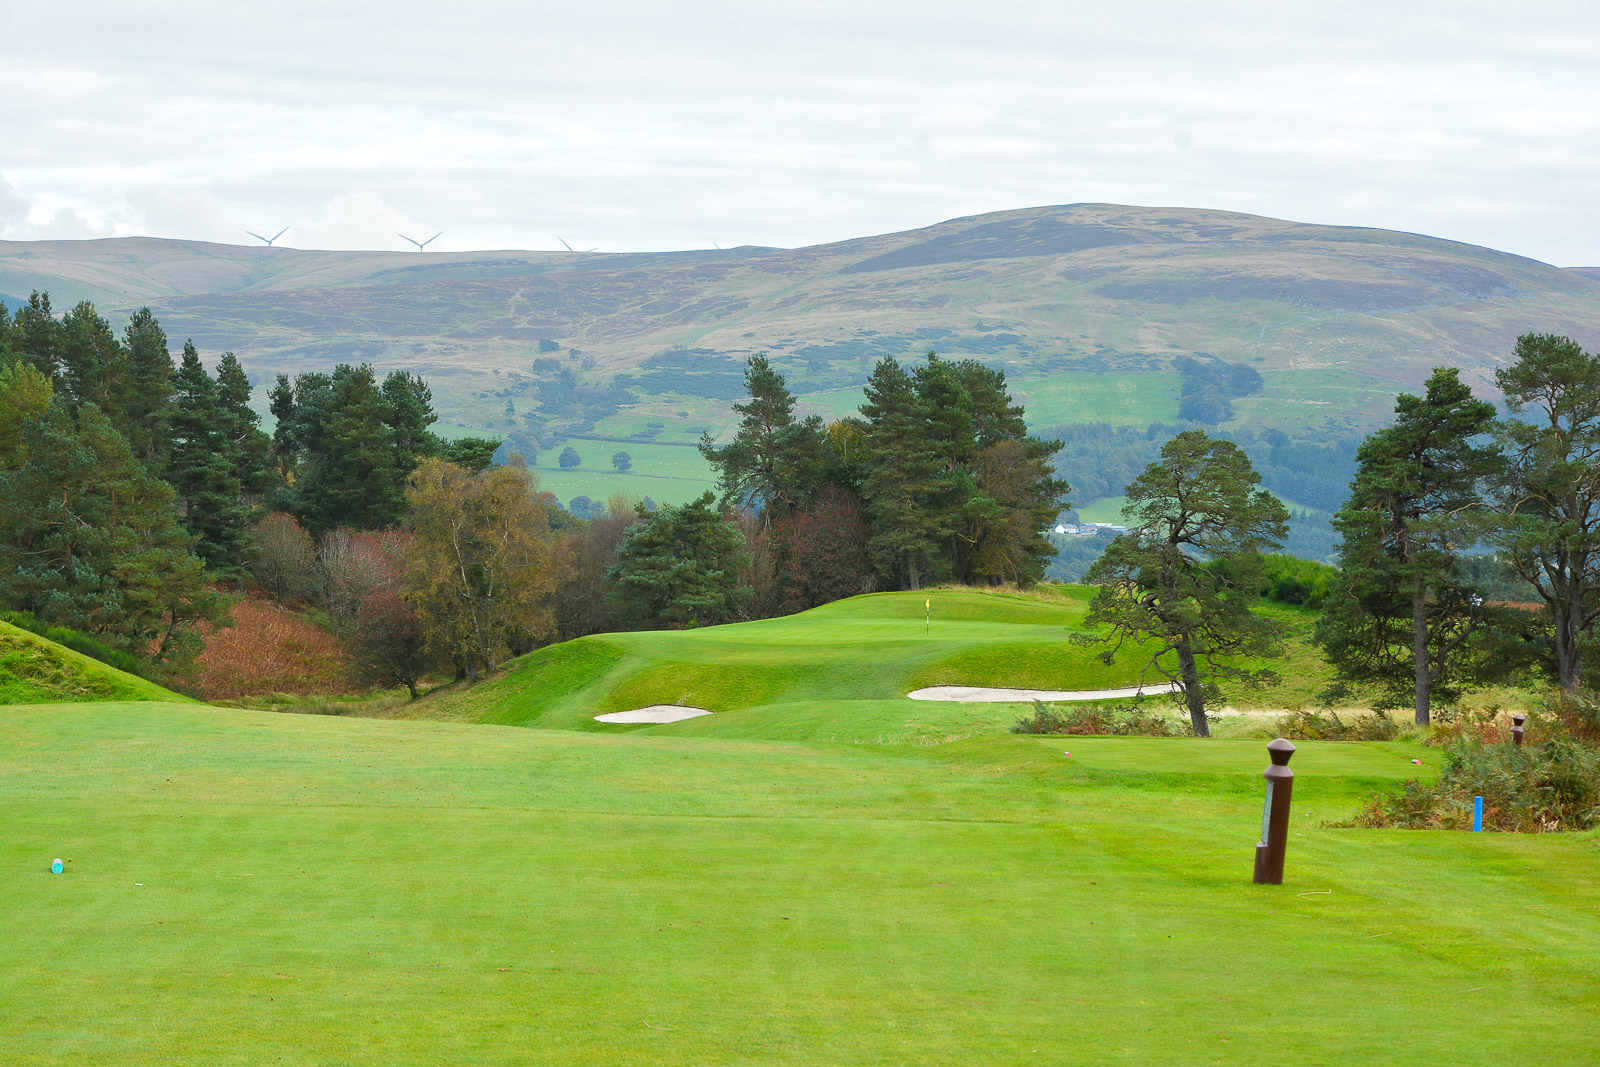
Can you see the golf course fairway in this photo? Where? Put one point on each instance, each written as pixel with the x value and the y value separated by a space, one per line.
pixel 813 884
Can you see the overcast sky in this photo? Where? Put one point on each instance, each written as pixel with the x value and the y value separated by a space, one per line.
pixel 642 126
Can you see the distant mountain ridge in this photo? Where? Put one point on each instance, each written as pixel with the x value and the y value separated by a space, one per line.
pixel 1045 292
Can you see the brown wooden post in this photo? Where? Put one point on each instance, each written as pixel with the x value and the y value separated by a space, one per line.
pixel 1516 729
pixel 1275 815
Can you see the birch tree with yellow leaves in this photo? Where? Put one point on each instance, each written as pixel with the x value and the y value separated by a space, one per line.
pixel 482 570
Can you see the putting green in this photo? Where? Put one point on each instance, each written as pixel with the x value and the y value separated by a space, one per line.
pixel 846 668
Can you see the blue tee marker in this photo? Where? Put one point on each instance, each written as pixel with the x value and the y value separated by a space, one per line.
pixel 57 867
pixel 1477 815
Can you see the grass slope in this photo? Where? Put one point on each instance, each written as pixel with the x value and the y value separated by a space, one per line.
pixel 244 887
pixel 34 670
pixel 839 672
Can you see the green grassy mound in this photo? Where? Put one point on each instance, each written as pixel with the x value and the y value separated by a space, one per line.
pixel 839 672
pixel 247 887
pixel 35 670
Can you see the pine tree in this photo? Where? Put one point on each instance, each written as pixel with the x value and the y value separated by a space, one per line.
pixel 88 540
pixel 902 469
pixel 91 361
pixel 1403 612
pixel 285 449
pixel 1547 495
pixel 147 390
pixel 249 449
pixel 410 414
pixel 36 334
pixel 775 463
pixel 678 566
pixel 1199 502
pixel 201 470
pixel 357 479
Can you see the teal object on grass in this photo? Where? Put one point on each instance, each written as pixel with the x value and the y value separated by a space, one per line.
pixel 57 867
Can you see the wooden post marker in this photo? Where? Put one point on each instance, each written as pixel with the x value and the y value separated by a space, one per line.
pixel 1275 815
pixel 1516 729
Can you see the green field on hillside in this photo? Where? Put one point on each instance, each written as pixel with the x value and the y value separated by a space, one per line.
pixel 1325 401
pixel 1119 399
pixel 821 872
pixel 667 474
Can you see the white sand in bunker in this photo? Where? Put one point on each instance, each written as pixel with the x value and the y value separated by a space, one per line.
pixel 654 713
pixel 980 694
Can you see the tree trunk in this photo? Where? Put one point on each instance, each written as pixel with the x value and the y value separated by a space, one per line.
pixel 1191 691
pixel 411 684
pixel 1419 649
pixel 1569 659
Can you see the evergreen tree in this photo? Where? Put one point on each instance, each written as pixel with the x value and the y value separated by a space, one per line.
pixel 775 464
pixel 678 566
pixel 148 388
pixel 900 467
pixel 1547 496
pixel 249 449
pixel 88 540
pixel 36 334
pixel 285 450
pixel 91 364
pixel 1200 501
pixel 357 479
pixel 202 469
pixel 473 453
pixel 1403 612
pixel 410 414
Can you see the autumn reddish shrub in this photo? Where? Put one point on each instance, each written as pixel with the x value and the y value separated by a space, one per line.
pixel 269 650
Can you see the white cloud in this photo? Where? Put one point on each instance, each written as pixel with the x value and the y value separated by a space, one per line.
pixel 356 220
pixel 13 208
pixel 636 125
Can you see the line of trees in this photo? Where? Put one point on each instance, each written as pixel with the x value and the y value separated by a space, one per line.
pixel 936 480
pixel 1409 615
pixel 1413 615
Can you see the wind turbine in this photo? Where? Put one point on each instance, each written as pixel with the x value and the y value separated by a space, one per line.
pixel 268 240
pixel 569 248
pixel 421 245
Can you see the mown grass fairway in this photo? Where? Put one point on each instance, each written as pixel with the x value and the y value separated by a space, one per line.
pixel 321 890
pixel 826 873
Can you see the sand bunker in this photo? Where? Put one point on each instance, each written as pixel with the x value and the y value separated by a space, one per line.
pixel 654 713
pixel 978 694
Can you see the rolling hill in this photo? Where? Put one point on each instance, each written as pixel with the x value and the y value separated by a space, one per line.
pixel 1086 306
